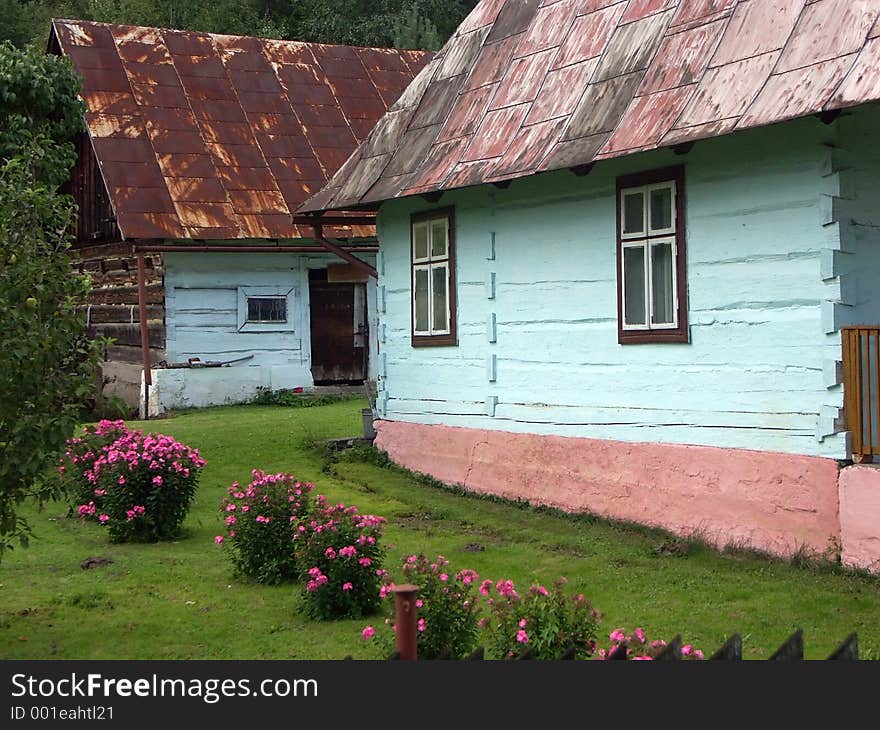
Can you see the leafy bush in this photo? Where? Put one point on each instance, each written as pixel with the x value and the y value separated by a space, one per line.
pixel 638 647
pixel 48 362
pixel 261 522
pixel 79 458
pixel 447 606
pixel 148 483
pixel 546 622
pixel 340 552
pixel 297 399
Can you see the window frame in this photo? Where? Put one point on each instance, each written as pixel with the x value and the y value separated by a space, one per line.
pixel 269 297
pixel 445 339
pixel 648 333
pixel 287 293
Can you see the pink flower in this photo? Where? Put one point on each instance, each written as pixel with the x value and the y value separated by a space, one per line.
pixel 103 519
pixel 368 633
pixel 698 654
pixel 347 586
pixel 617 636
pixel 122 480
pixel 230 507
pixel 330 553
pixel 686 650
pixel 522 637
pixel 640 635
pixel 366 562
pixel 444 577
pixel 157 480
pixel 231 520
pixel 219 540
pixel 419 603
pixel 522 623
pixel 421 626
pixel 485 587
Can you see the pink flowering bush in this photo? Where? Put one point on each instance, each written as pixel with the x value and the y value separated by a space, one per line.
pixel 638 647
pixel 447 604
pixel 144 484
pixel 547 622
pixel 261 521
pixel 79 457
pixel 340 553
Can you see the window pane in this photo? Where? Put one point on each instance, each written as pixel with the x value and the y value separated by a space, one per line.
pixel 634 285
pixel 439 238
pixel 266 309
pixel 662 271
pixel 633 213
pixel 661 209
pixel 420 241
pixel 421 300
pixel 441 315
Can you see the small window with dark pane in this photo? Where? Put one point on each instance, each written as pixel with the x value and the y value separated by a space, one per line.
pixel 266 310
pixel 433 279
pixel 652 289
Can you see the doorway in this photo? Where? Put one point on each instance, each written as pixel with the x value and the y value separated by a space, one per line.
pixel 338 313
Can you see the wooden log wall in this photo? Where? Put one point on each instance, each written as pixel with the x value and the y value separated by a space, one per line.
pixel 113 304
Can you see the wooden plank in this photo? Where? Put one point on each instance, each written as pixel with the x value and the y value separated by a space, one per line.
pixel 130 334
pixel 120 313
pixel 128 295
pixel 874 403
pixel 346 274
pixel 791 650
pixel 126 354
pixel 848 650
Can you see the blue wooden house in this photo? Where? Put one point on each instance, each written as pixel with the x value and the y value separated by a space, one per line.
pixel 197 152
pixel 630 264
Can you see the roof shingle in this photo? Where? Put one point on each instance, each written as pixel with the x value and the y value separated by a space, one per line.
pixel 561 83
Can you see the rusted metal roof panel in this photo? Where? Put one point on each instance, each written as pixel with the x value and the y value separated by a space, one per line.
pixel 562 83
pixel 223 137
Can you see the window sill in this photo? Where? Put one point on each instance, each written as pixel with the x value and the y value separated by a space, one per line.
pixel 435 341
pixel 649 337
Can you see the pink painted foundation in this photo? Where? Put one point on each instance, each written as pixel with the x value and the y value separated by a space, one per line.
pixel 769 501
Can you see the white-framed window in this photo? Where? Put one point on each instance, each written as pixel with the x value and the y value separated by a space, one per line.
pixel 433 279
pixel 265 309
pixel 651 258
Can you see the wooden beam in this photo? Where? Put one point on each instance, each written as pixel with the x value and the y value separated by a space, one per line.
pixel 335 220
pixel 343 253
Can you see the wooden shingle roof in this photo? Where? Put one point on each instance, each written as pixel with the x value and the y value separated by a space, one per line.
pixel 202 136
pixel 526 86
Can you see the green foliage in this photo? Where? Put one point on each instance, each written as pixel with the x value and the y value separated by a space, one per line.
pixel 547 623
pixel 260 523
pixel 447 604
pixel 146 484
pixel 48 361
pixel 401 23
pixel 40 115
pixel 79 459
pixel 413 29
pixel 292 399
pixel 340 551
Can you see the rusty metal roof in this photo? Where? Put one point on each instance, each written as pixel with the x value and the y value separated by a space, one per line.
pixel 202 136
pixel 526 86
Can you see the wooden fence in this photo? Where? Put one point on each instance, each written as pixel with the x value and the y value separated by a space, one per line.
pixel 861 390
pixel 791 650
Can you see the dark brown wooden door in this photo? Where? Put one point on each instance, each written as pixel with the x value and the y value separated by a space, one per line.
pixel 338 329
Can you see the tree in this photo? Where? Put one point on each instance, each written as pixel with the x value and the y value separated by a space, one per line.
pixel 48 363
pixel 414 30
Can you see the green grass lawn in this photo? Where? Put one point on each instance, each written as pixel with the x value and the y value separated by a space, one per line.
pixel 179 600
